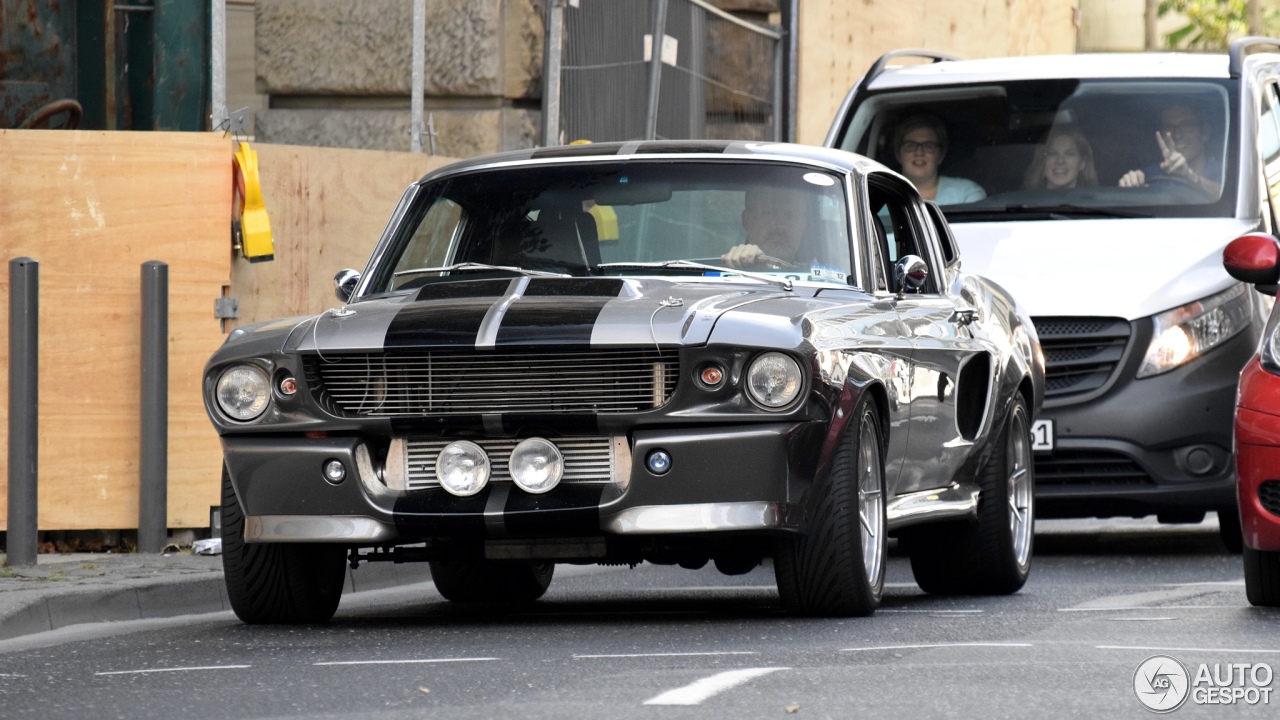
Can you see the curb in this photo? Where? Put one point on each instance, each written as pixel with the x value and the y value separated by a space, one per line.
pixel 27 612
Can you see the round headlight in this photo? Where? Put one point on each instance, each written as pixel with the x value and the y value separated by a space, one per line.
pixel 774 380
pixel 243 392
pixel 536 465
pixel 462 468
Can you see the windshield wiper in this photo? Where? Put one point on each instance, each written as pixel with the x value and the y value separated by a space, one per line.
pixel 1062 211
pixel 479 267
pixel 783 283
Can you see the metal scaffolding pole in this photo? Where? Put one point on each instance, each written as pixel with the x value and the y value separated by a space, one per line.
pixel 419 74
pixel 655 68
pixel 218 66
pixel 552 59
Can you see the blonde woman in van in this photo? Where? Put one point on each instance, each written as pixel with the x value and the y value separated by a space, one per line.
pixel 1063 160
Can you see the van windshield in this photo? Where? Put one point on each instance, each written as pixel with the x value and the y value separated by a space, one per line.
pixel 1062 148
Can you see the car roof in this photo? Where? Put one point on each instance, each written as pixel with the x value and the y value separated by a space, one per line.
pixel 670 150
pixel 1041 67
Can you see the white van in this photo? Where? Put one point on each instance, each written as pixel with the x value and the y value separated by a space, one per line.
pixel 1144 333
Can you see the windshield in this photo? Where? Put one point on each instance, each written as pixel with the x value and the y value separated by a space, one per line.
pixel 1058 148
pixel 788 222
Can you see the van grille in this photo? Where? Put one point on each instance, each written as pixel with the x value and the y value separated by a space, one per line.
pixel 1065 468
pixel 1081 354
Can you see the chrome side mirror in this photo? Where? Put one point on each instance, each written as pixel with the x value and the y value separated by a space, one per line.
pixel 911 272
pixel 344 283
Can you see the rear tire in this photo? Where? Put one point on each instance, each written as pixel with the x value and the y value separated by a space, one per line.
pixel 837 567
pixel 1262 577
pixel 285 583
pixel 488 581
pixel 993 556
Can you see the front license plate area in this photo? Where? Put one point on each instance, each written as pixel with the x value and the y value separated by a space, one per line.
pixel 1042 436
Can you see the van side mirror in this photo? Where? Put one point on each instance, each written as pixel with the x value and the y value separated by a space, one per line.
pixel 1254 258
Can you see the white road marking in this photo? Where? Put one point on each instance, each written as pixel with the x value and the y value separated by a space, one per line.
pixel 1187 649
pixel 939 645
pixel 699 690
pixel 930 612
pixel 177 669
pixel 1142 607
pixel 1136 619
pixel 1209 582
pixel 1149 598
pixel 405 662
pixel 3 675
pixel 680 654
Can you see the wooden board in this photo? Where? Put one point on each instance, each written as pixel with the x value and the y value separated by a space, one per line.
pixel 91 207
pixel 839 40
pixel 328 207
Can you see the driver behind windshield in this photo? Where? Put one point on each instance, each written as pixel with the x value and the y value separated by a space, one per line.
pixel 1183 140
pixel 775 221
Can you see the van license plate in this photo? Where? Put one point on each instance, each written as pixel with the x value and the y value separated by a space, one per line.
pixel 1042 436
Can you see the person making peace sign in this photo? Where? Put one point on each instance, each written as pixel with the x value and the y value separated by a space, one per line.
pixel 1183 137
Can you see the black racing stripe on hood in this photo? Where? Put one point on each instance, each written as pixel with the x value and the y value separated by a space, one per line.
pixel 438 323
pixel 550 321
pixel 557 311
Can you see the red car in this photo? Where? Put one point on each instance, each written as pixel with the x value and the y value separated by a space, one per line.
pixel 1255 258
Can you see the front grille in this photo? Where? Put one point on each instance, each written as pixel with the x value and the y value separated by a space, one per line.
pixel 1081 354
pixel 587 460
pixel 1089 467
pixel 1269 495
pixel 416 384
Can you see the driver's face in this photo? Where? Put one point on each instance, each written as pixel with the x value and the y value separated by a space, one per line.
pixel 1188 132
pixel 774 222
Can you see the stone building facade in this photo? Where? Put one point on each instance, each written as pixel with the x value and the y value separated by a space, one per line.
pixel 338 72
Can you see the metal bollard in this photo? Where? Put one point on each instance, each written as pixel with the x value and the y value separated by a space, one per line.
pixel 24 399
pixel 153 527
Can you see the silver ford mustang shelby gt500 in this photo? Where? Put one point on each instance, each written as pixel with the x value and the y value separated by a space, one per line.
pixel 666 352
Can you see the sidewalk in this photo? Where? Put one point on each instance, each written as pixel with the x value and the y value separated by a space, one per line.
pixel 76 588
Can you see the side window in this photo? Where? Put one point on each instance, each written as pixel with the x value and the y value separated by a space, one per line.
pixel 894 209
pixel 1269 146
pixel 946 241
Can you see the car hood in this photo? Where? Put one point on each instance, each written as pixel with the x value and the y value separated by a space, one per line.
pixel 590 312
pixel 1129 268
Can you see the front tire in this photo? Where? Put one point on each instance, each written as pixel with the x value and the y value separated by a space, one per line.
pixel 277 582
pixel 1262 577
pixel 993 556
pixel 488 581
pixel 836 568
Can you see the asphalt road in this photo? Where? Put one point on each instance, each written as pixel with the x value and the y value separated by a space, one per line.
pixel 659 642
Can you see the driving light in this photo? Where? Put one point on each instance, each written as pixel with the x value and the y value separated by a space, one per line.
pixel 536 465
pixel 658 462
pixel 462 468
pixel 335 472
pixel 774 380
pixel 711 376
pixel 243 392
pixel 1185 333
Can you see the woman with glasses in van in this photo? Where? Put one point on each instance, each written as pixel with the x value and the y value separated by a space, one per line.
pixel 920 144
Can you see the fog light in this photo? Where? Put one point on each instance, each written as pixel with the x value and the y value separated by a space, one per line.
pixel 288 385
pixel 658 462
pixel 334 471
pixel 462 468
pixel 536 465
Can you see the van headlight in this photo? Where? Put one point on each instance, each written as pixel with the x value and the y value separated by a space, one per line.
pixel 1185 333
pixel 243 392
pixel 774 380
